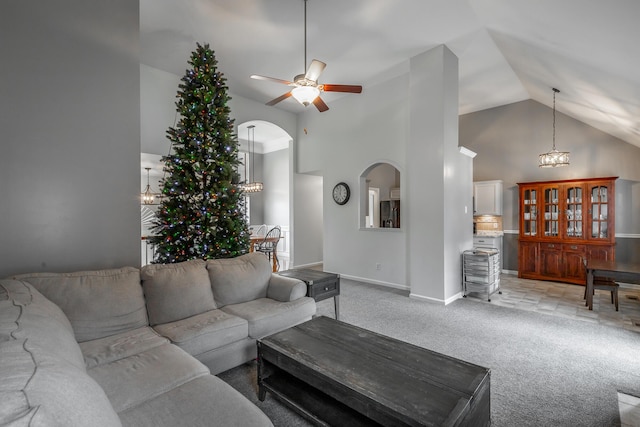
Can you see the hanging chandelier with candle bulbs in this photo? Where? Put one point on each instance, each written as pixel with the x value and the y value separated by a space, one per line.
pixel 251 186
pixel 148 197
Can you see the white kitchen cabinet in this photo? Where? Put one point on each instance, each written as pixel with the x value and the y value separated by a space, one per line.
pixel 487 197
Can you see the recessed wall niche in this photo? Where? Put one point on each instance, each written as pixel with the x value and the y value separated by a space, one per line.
pixel 380 197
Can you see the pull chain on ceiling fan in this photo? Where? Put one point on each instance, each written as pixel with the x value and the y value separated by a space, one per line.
pixel 306 89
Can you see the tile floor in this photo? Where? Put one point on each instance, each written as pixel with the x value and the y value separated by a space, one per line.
pixel 565 300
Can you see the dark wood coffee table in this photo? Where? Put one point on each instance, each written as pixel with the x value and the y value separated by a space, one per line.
pixel 334 373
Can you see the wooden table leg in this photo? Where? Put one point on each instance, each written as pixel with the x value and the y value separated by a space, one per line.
pixel 590 289
pixel 275 259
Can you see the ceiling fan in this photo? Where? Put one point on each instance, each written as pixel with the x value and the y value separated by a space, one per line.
pixel 306 89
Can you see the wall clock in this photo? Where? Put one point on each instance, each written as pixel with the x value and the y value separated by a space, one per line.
pixel 341 193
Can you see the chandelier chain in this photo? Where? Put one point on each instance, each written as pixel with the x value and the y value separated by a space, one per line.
pixel 554 116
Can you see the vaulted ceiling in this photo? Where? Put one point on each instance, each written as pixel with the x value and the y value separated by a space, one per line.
pixel 508 50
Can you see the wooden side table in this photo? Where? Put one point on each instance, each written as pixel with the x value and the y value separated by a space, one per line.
pixel 320 285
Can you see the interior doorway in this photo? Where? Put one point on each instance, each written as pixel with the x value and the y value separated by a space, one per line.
pixel 380 197
pixel 373 216
pixel 271 155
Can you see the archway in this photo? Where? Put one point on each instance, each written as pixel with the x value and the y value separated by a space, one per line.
pixel 272 166
pixel 380 196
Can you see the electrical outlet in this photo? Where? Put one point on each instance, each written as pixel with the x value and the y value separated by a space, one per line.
pixel 378 266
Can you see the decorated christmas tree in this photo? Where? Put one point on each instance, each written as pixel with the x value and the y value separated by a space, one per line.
pixel 201 213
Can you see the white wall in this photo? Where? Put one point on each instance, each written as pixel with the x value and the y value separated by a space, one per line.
pixel 436 179
pixel 378 127
pixel 307 215
pixel 70 120
pixel 341 143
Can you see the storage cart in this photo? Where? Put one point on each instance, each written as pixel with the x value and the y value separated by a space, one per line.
pixel 481 271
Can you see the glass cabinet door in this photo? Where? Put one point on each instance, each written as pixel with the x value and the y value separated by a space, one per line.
pixel 599 212
pixel 551 209
pixel 529 212
pixel 574 228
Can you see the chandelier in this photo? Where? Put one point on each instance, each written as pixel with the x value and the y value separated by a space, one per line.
pixel 148 196
pixel 251 186
pixel 554 157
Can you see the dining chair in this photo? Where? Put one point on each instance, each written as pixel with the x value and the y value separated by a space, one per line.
pixel 259 230
pixel 269 244
pixel 603 284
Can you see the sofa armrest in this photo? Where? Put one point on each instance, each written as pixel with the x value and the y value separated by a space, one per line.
pixel 285 289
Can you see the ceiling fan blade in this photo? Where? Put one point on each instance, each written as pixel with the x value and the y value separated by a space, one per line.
pixel 271 79
pixel 278 99
pixel 315 69
pixel 320 105
pixel 342 88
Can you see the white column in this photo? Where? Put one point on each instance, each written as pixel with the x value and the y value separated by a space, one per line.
pixel 437 174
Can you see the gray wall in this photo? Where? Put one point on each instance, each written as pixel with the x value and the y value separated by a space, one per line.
pixel 70 120
pixel 385 177
pixel 271 206
pixel 276 180
pixel 508 140
pixel 257 199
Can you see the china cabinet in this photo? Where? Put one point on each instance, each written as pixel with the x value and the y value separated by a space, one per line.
pixel 562 223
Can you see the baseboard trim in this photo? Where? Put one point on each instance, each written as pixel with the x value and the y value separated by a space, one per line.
pixel 375 282
pixel 312 264
pixel 436 300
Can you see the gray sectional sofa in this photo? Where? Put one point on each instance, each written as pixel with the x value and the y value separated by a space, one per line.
pixel 138 347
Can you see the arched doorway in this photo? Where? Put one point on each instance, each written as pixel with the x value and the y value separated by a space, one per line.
pixel 380 196
pixel 271 154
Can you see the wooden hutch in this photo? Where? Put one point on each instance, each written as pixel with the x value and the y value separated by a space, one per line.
pixel 561 224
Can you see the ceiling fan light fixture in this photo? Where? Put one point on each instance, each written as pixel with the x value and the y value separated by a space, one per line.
pixel 305 94
pixel 306 89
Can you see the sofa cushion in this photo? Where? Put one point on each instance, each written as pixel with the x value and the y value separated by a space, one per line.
pixel 205 401
pixel 267 316
pixel 133 380
pixel 109 349
pixel 97 303
pixel 176 291
pixel 240 279
pixel 206 331
pixel 40 389
pixel 27 314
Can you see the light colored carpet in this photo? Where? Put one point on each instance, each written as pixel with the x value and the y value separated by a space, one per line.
pixel 545 370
